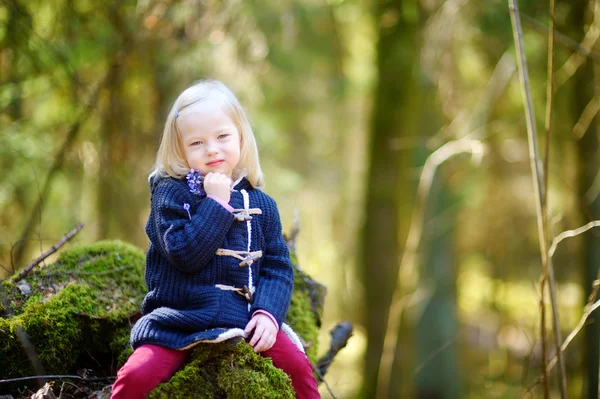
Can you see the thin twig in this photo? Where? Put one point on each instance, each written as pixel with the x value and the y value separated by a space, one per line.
pixel 49 252
pixel 586 118
pixel 433 355
pixel 549 271
pixel 537 180
pixel 527 359
pixel 322 378
pixel 563 39
pixel 56 377
pixel 571 233
pixel 577 59
pixel 68 383
pixel 589 309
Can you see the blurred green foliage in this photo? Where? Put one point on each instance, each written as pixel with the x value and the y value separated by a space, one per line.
pixel 104 73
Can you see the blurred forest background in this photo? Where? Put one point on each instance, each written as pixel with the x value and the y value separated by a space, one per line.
pixel 353 102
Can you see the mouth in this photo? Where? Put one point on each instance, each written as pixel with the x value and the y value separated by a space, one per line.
pixel 215 163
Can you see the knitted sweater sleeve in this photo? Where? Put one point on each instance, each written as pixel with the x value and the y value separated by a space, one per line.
pixel 187 238
pixel 276 279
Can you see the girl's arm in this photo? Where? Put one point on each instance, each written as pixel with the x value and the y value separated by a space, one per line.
pixel 276 280
pixel 188 240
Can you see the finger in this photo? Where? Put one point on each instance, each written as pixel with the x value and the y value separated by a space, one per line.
pixel 271 343
pixel 250 326
pixel 262 344
pixel 268 343
pixel 258 333
pixel 209 177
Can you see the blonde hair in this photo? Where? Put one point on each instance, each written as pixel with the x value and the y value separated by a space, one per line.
pixel 170 158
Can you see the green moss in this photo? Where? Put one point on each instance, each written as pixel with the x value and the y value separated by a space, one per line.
pixel 303 321
pixel 226 370
pixel 78 302
pixel 119 345
pixel 80 306
pixel 14 358
pixel 235 371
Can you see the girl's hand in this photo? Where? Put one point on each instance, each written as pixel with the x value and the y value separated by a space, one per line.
pixel 265 332
pixel 219 185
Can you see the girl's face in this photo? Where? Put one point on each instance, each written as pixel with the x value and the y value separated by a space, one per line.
pixel 210 139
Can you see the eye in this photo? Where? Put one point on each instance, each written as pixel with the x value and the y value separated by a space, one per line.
pixel 196 143
pixel 223 136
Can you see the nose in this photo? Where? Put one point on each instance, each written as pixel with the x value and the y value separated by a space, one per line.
pixel 211 147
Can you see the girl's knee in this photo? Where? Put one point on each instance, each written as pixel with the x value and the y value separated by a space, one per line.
pixel 298 366
pixel 134 375
pixel 133 383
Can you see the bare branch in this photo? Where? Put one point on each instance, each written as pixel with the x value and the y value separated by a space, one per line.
pixel 577 59
pixel 56 377
pixel 562 39
pixel 49 252
pixel 589 309
pixel 571 233
pixel 586 118
pixel 340 334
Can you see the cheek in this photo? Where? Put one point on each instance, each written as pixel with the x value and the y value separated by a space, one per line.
pixel 193 156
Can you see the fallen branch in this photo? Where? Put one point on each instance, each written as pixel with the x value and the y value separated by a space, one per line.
pixel 340 334
pixel 49 252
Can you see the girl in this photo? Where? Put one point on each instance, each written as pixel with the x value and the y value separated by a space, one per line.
pixel 217 266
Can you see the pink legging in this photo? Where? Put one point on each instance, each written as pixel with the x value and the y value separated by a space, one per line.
pixel 149 365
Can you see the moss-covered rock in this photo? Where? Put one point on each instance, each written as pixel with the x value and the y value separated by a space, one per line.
pixel 77 313
pixel 227 370
pixel 70 309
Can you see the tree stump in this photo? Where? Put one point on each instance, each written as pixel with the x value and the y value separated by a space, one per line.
pixel 73 317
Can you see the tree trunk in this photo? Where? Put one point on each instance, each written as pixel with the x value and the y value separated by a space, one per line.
pixel 386 200
pixel 588 152
pixel 437 368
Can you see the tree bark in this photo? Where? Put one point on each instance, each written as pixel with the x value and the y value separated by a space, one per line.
pixel 588 166
pixel 385 197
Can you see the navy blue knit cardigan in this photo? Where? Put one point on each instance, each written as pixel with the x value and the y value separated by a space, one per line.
pixel 184 304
